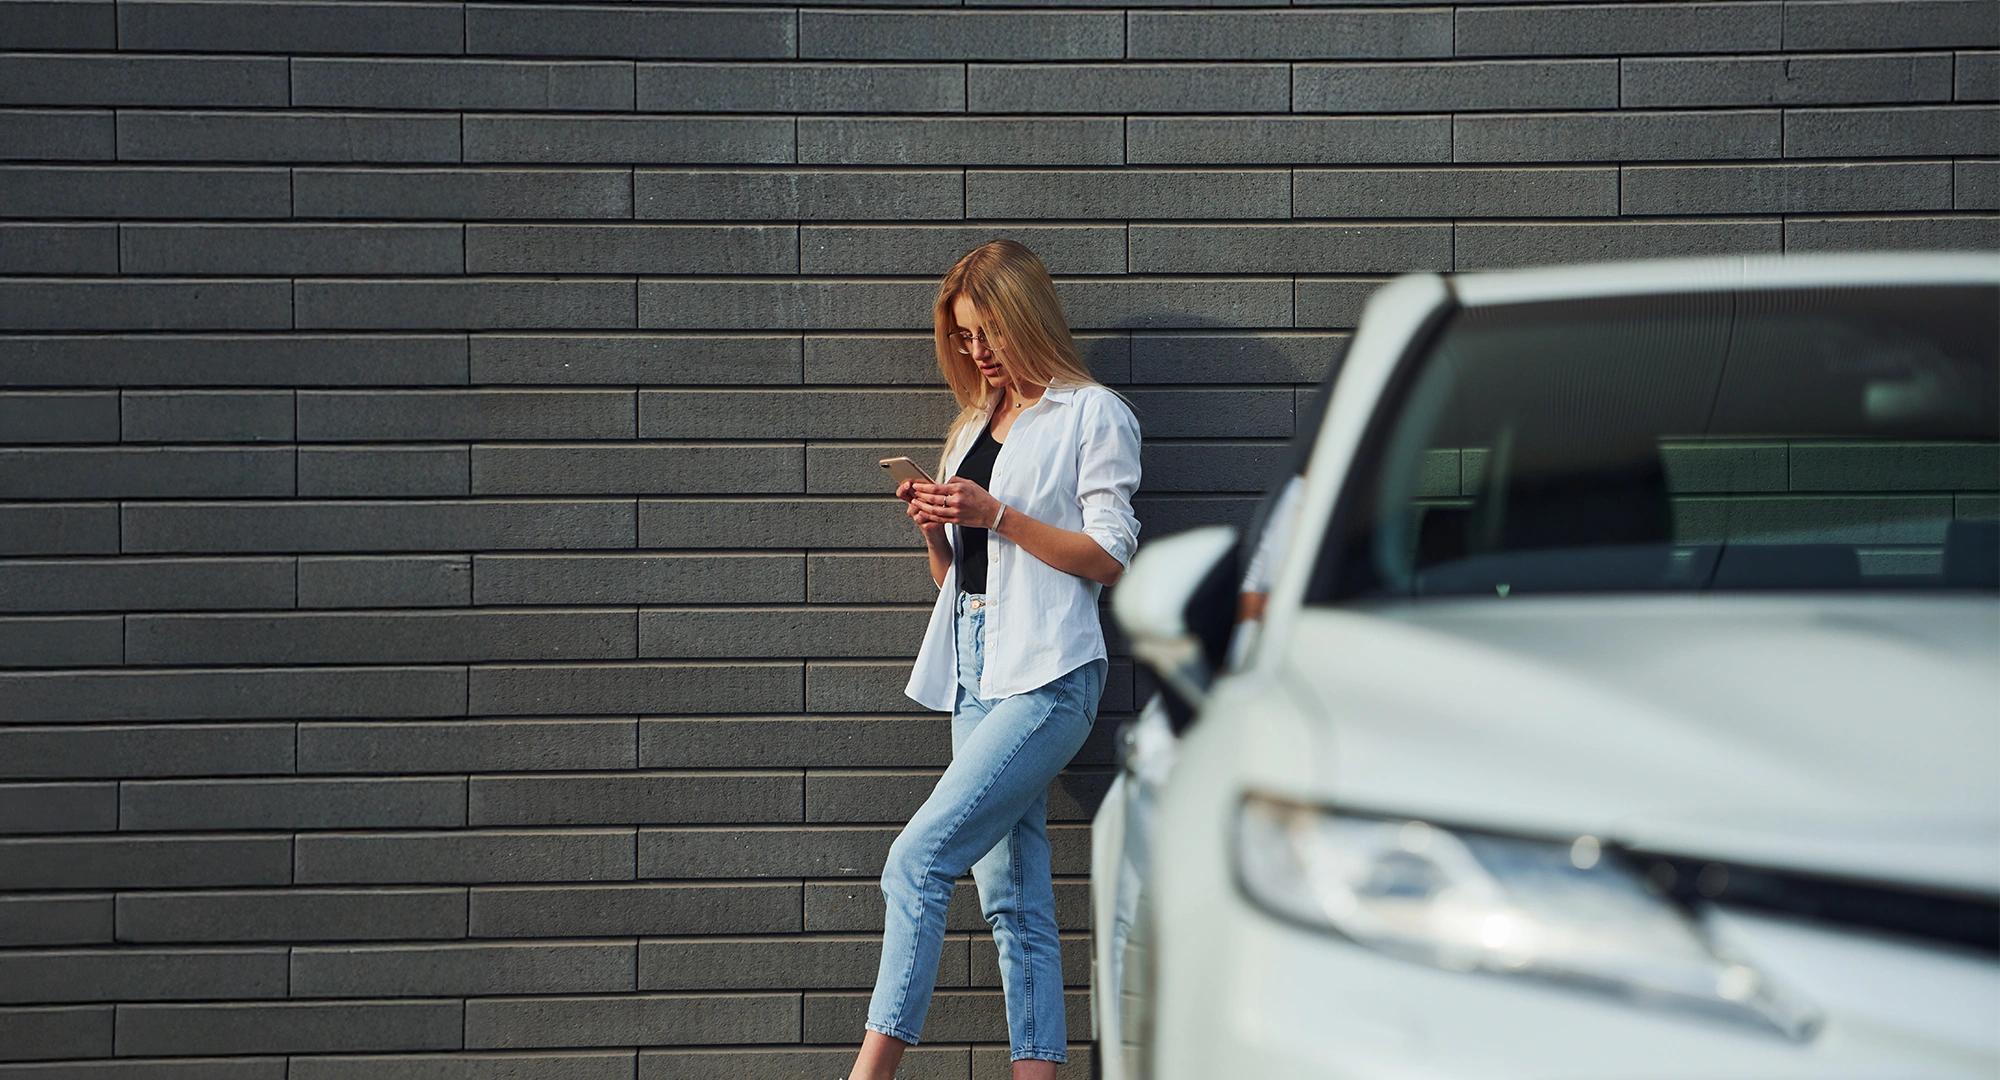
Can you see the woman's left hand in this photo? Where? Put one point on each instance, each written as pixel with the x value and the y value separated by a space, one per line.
pixel 958 501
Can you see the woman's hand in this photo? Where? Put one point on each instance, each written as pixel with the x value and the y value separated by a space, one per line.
pixel 957 501
pixel 933 527
pixel 964 503
pixel 937 544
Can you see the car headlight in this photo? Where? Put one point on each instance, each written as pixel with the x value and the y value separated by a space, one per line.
pixel 1471 901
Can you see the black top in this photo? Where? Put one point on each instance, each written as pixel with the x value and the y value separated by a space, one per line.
pixel 978 468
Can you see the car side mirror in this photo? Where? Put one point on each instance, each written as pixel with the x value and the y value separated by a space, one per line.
pixel 1177 605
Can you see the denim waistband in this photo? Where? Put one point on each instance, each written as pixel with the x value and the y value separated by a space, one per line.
pixel 968 601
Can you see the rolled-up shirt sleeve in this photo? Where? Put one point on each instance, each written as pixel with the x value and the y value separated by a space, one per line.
pixel 1108 475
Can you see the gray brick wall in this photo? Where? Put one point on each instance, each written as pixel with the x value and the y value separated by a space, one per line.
pixel 450 624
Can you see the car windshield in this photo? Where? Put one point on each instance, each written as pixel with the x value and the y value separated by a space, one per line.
pixel 1827 439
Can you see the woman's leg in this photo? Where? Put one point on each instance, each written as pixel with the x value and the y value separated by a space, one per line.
pixel 1001 769
pixel 917 882
pixel 880 1054
pixel 1018 899
pixel 1017 896
pixel 905 892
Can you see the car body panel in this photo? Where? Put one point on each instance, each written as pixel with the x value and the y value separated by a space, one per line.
pixel 1837 734
pixel 1242 993
pixel 1661 276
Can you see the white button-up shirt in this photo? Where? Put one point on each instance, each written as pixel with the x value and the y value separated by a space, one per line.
pixel 1070 460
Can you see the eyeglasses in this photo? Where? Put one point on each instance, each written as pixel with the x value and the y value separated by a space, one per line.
pixel 964 341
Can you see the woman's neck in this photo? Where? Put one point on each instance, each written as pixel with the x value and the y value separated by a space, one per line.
pixel 1015 398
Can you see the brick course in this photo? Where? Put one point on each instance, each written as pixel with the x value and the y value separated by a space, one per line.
pixel 450 620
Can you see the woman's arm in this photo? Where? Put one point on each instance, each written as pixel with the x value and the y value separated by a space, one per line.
pixel 937 543
pixel 1071 552
pixel 1107 476
pixel 965 504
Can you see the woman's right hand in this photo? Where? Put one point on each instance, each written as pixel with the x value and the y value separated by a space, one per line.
pixel 933 529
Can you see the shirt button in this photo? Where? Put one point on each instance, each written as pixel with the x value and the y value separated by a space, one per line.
pixel 993 558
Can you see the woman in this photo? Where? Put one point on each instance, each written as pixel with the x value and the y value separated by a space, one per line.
pixel 1035 517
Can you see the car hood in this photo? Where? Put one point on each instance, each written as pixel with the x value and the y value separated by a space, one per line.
pixel 1851 736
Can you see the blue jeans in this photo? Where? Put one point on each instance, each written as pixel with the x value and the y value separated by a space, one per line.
pixel 988 813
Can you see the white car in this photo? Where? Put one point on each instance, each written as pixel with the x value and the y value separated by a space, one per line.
pixel 1627 701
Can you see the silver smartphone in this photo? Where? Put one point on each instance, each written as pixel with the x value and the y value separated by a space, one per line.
pixel 902 468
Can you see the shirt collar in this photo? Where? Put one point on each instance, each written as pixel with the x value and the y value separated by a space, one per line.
pixel 1055 394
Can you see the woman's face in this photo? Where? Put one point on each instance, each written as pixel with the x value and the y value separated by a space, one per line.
pixel 992 367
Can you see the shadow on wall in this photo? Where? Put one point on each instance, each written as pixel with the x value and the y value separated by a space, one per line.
pixel 1222 410
pixel 1219 407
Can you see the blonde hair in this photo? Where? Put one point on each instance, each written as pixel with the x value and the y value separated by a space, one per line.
pixel 1011 288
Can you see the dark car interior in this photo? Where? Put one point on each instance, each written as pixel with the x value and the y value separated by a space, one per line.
pixel 1813 439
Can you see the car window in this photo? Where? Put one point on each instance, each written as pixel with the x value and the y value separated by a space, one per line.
pixel 1839 438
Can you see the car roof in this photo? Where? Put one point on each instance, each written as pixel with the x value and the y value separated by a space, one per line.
pixel 1746 272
